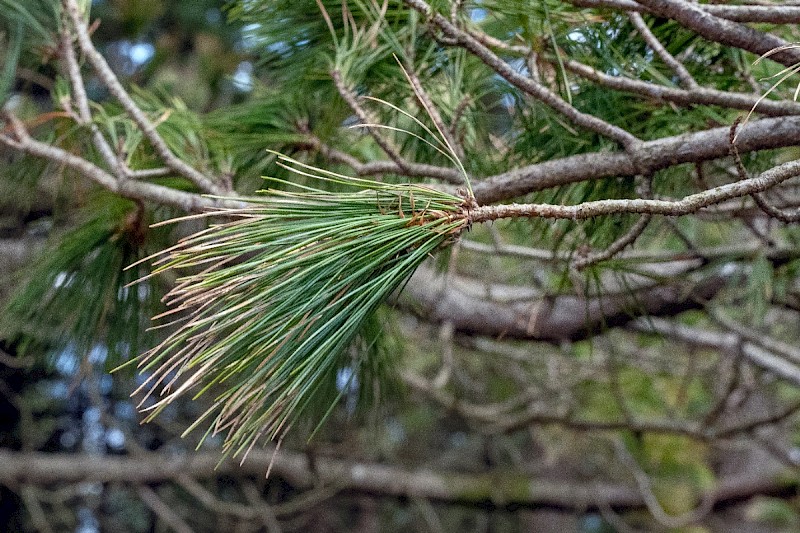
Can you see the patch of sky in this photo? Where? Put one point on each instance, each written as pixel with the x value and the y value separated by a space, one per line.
pixel 794 455
pixel 57 389
pixel 395 431
pixel 91 416
pixel 87 522
pixel 351 121
pixel 122 293
pixel 141 53
pixel 278 48
pixel 346 379
pixel 576 36
pixel 592 522
pixel 507 98
pixel 458 439
pixel 134 55
pixel 478 14
pixel 13 102
pixel 124 411
pixel 94 435
pixel 68 439
pixel 123 349
pixel 242 79
pixel 347 383
pixel 143 291
pixel 66 361
pixel 213 15
pixel 63 280
pixel 141 377
pixel 212 442
pixel 106 384
pixel 250 38
pixel 115 439
pixel 98 354
pixel 90 489
pixel 521 66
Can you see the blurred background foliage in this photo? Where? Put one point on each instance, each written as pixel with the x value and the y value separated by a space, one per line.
pixel 228 80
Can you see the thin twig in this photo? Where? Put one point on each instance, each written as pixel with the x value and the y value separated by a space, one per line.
pixel 615 247
pixel 628 238
pixel 162 510
pixel 148 129
pixel 211 502
pixel 769 420
pixel 84 117
pixel 23 142
pixel 723 31
pixel 757 356
pixel 685 97
pixel 652 503
pixel 647 158
pixel 376 168
pixel 652 41
pixel 150 173
pixel 772 13
pixel 790 217
pixel 770 210
pixel 506 417
pixel 733 252
pixel 689 96
pixel 685 206
pixel 522 82
pixel 433 112
pixel 783 349
pixel 264 511
pixel 35 511
pixel 352 100
pixel 733 366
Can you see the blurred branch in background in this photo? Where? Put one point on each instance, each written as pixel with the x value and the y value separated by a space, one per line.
pixel 610 343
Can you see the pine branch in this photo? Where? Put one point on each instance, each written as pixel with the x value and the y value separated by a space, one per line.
pixel 148 129
pixel 492 491
pixel 284 288
pixel 524 83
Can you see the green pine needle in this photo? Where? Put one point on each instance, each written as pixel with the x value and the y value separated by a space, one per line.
pixel 76 293
pixel 271 295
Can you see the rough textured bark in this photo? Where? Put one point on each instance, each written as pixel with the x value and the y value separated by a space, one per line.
pixel 724 31
pixel 645 158
pixel 520 312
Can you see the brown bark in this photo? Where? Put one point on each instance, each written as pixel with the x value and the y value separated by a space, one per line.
pixel 520 312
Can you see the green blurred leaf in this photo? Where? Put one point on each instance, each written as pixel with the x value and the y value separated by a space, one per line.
pixel 77 295
pixel 760 288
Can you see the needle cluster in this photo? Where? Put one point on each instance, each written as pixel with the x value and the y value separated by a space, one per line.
pixel 271 295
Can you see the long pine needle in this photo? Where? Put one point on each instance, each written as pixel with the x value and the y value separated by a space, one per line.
pixel 271 296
